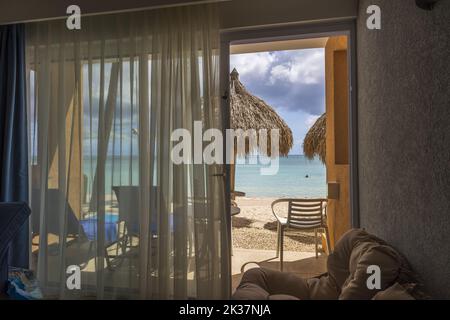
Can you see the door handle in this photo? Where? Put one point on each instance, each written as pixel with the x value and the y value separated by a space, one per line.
pixel 219 175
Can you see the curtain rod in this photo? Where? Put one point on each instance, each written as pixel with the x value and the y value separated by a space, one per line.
pixel 191 3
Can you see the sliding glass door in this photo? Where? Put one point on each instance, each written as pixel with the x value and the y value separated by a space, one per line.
pixel 107 197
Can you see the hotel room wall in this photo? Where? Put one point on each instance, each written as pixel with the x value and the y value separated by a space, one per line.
pixel 404 134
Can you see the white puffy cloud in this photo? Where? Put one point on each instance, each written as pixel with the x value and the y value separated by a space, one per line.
pixel 305 67
pixel 296 66
pixel 255 64
pixel 290 80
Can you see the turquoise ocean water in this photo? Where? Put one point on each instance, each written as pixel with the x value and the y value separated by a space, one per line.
pixel 290 181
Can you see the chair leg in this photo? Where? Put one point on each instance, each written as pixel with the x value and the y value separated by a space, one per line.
pixel 327 234
pixel 316 241
pixel 231 240
pixel 278 240
pixel 281 247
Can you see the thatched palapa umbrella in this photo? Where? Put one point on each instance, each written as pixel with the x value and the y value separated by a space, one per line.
pixel 315 140
pixel 250 112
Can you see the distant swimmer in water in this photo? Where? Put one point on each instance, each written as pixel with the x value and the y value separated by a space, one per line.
pixel 307 176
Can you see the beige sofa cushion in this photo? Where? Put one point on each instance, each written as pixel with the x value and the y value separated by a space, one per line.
pixel 338 263
pixel 363 256
pixel 394 292
pixel 347 274
pixel 322 289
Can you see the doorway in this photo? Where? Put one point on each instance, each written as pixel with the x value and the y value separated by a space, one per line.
pixel 338 42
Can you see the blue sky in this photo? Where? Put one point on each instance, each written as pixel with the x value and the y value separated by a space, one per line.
pixel 292 82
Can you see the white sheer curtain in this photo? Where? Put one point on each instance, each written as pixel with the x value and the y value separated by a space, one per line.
pixel 106 196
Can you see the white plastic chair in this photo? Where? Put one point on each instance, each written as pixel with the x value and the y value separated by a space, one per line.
pixel 303 214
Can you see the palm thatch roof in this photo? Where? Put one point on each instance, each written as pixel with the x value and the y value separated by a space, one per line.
pixel 315 140
pixel 250 112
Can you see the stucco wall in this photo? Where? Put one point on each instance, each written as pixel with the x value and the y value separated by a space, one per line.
pixel 336 88
pixel 404 134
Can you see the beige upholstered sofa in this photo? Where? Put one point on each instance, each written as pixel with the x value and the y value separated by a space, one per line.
pixel 346 278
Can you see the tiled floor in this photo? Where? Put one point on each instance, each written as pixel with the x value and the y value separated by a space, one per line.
pixel 304 264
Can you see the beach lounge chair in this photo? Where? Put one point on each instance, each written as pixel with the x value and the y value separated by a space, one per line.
pixel 128 201
pixel 53 215
pixel 80 231
pixel 303 214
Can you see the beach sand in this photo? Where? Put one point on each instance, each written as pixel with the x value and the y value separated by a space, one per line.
pixel 256 228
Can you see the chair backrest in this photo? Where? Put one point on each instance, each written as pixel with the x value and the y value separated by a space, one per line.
pixel 128 200
pixel 53 214
pixel 306 213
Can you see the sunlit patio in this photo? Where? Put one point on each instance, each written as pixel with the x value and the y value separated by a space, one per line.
pixel 303 264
